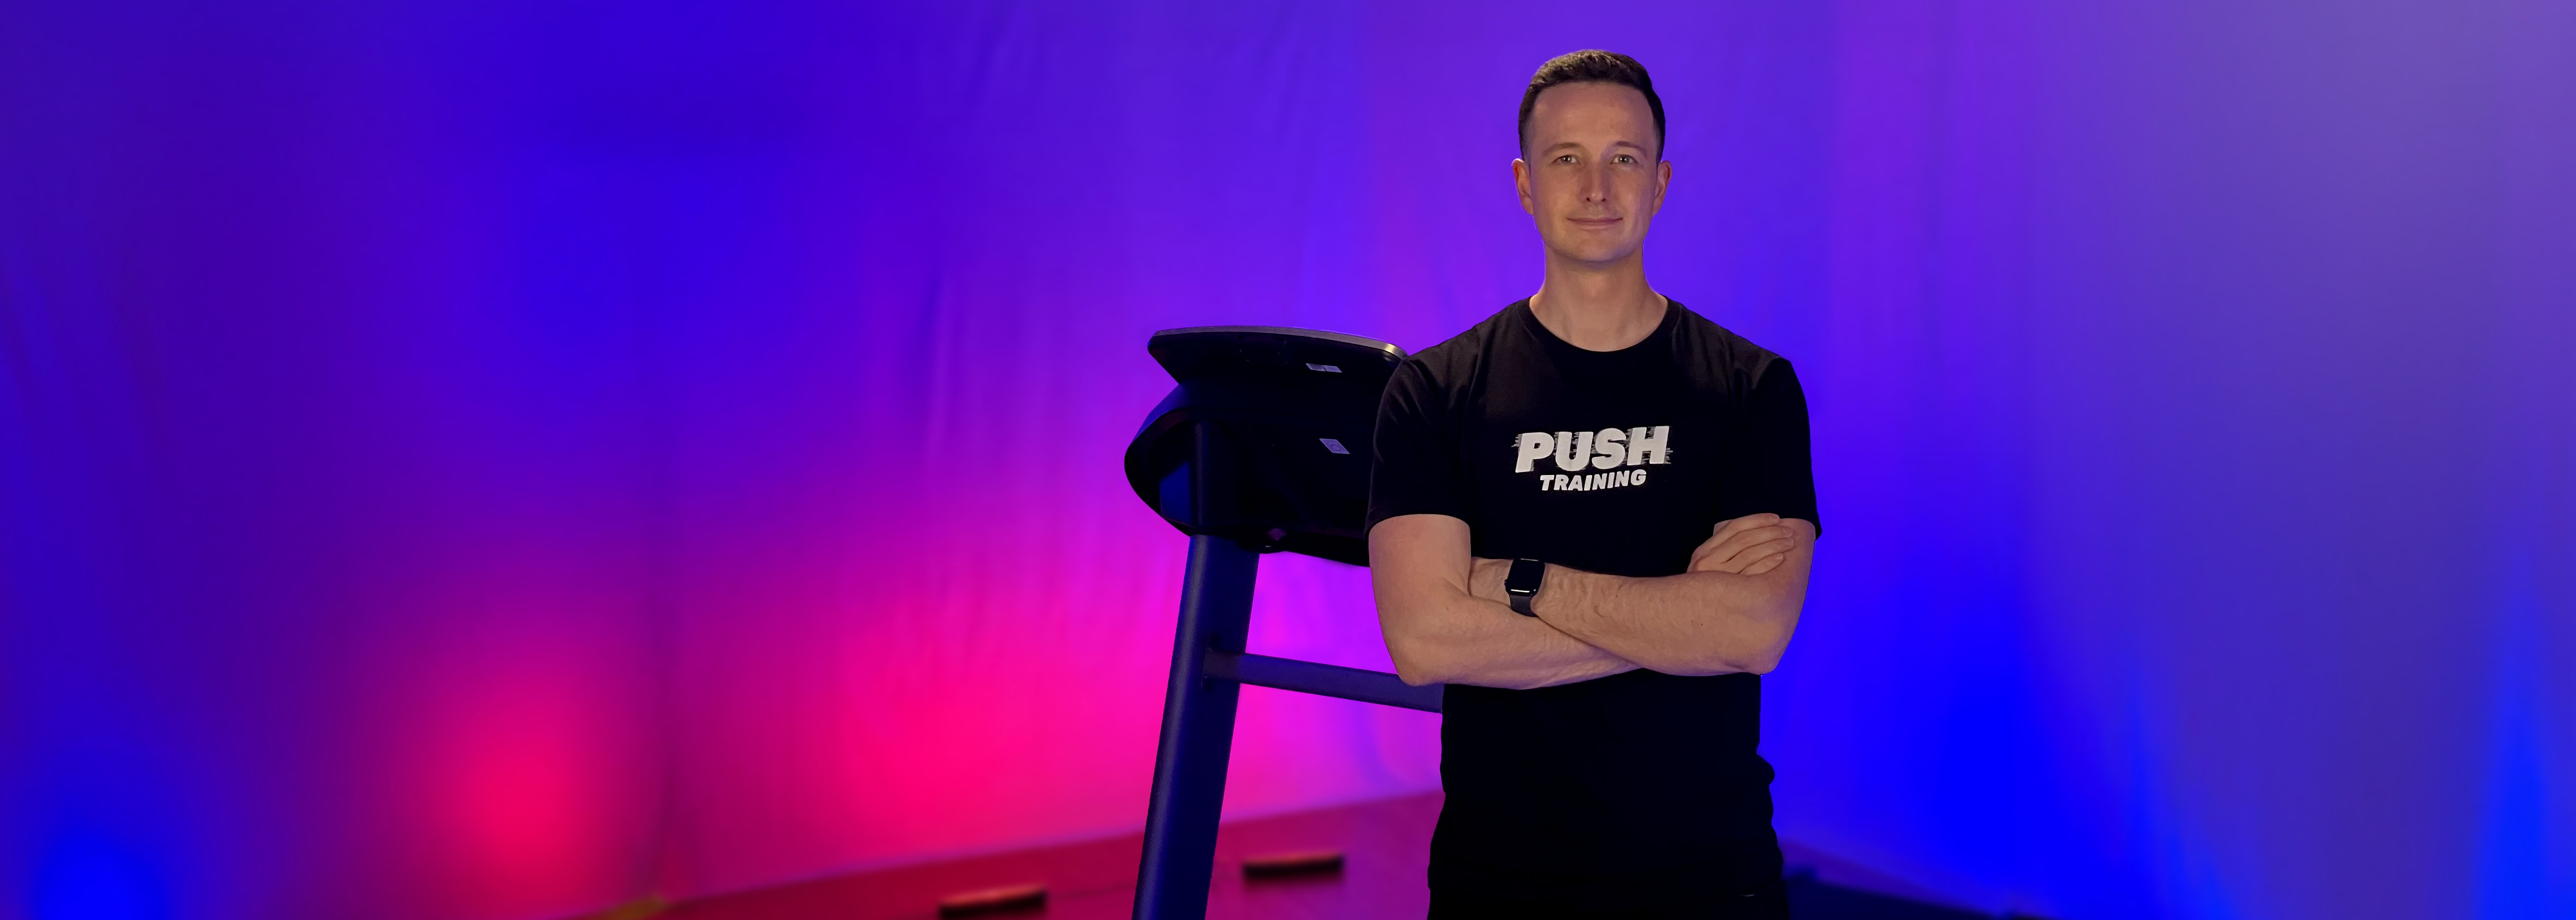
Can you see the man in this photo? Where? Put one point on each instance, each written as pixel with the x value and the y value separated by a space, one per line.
pixel 1591 516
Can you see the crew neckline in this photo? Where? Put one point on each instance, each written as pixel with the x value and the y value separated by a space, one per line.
pixel 1663 333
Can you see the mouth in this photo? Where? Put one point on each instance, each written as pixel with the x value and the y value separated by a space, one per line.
pixel 1594 223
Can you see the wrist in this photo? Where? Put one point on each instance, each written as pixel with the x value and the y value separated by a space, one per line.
pixel 1485 579
pixel 1522 584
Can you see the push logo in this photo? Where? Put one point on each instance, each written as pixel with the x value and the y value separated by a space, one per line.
pixel 1606 449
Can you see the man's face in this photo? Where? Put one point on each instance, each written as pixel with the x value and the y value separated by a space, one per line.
pixel 1594 176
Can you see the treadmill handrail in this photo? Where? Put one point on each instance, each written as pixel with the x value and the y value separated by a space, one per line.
pixel 1322 679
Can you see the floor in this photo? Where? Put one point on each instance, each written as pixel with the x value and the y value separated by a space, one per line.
pixel 1384 843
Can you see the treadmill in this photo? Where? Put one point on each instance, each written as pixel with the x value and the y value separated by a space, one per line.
pixel 1263 446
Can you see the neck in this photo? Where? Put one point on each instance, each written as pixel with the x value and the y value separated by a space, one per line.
pixel 1598 307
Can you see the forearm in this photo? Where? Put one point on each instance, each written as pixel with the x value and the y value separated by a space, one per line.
pixel 1693 623
pixel 1461 639
pixel 1439 632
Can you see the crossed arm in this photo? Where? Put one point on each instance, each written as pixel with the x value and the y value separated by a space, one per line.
pixel 1447 620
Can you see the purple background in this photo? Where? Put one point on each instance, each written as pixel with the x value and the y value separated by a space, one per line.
pixel 503 461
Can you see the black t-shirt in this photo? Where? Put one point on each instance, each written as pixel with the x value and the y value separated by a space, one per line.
pixel 1640 789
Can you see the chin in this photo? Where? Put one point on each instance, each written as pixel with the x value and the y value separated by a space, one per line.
pixel 1595 254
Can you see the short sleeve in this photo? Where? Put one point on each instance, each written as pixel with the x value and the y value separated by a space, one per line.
pixel 1769 465
pixel 1414 466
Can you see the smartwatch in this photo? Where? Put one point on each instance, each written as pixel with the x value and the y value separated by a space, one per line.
pixel 1522 585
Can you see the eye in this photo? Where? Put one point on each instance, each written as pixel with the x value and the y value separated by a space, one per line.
pixel 1567 158
pixel 1625 158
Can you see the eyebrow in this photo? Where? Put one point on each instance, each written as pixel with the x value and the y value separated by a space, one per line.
pixel 1560 145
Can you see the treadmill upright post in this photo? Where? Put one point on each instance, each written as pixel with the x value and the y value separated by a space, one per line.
pixel 1198 734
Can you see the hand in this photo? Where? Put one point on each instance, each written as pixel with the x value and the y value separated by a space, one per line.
pixel 1753 544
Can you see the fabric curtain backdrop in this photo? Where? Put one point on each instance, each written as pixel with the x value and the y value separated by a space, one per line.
pixel 503 460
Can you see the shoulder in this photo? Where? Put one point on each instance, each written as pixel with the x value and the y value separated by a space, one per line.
pixel 1714 356
pixel 1457 363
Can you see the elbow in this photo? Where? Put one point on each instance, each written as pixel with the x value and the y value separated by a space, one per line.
pixel 1765 650
pixel 1731 661
pixel 1755 650
pixel 1416 663
pixel 1759 649
pixel 1417 657
pixel 1765 662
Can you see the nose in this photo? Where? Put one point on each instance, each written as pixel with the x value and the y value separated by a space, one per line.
pixel 1596 183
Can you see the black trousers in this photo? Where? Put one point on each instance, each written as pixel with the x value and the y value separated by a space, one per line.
pixel 1770 903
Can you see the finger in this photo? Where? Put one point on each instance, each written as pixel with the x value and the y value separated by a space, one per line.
pixel 1733 535
pixel 1731 525
pixel 1738 561
pixel 1716 539
pixel 1707 556
pixel 1740 542
pixel 1765 548
pixel 1707 546
pixel 1729 528
pixel 1748 564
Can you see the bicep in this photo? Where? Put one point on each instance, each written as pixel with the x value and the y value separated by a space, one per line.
pixel 1418 567
pixel 1417 558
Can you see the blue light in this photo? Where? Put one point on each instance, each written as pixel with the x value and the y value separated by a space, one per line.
pixel 85 876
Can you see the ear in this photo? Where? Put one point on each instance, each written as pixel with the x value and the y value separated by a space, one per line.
pixel 1521 183
pixel 1663 181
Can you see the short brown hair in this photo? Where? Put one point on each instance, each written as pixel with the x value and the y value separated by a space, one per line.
pixel 1593 66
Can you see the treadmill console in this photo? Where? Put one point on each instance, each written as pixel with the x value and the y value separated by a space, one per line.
pixel 1266 438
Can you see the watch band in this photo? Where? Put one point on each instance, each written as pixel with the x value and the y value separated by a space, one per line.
pixel 1522 585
